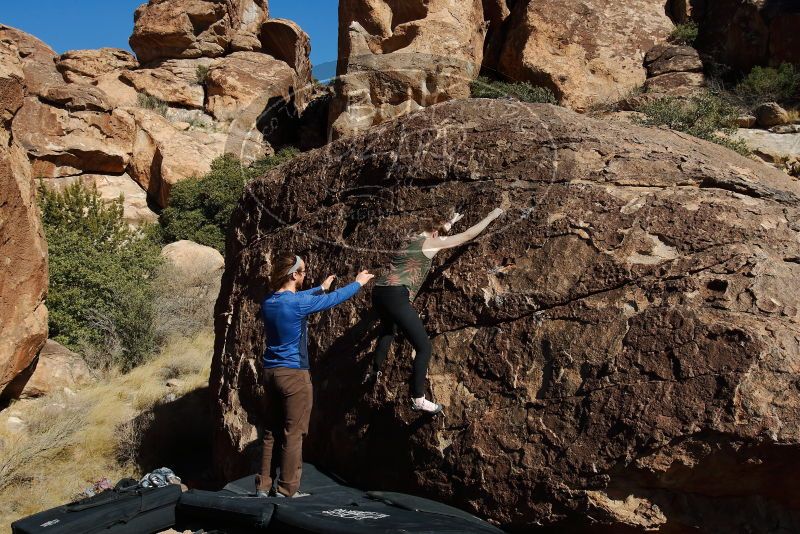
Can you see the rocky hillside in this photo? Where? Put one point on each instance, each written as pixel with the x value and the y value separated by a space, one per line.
pixel 203 75
pixel 616 352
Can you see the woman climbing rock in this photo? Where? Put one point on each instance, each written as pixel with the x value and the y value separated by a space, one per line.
pixel 395 291
pixel 287 380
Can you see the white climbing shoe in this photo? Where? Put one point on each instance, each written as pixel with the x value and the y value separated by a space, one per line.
pixel 423 405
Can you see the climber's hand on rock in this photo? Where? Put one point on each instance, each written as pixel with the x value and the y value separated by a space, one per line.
pixel 326 285
pixel 456 217
pixel 364 277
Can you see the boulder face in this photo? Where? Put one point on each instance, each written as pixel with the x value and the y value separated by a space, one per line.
pixel 618 351
pixel 742 35
pixel 186 29
pixel 585 51
pixel 57 369
pixel 398 56
pixel 23 257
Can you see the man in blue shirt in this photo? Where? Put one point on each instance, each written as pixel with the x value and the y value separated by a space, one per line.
pixel 288 383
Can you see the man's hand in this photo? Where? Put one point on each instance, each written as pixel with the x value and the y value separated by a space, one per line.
pixel 326 285
pixel 456 217
pixel 364 277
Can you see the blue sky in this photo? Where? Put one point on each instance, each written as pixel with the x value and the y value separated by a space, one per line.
pixel 80 24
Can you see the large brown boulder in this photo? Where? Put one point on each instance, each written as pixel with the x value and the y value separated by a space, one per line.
pixel 56 369
pixel 245 82
pixel 396 57
pixel 283 39
pixel 619 349
pixel 163 155
pixel 85 66
pixel 585 51
pixel 23 257
pixel 177 82
pixel 36 60
pixel 175 29
pixel 63 142
pixel 743 34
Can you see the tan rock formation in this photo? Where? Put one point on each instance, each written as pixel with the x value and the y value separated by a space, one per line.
pixel 771 114
pixel 174 29
pixel 56 368
pixel 284 40
pixel 64 143
pixel 36 59
pixel 86 66
pixel 23 260
pixel 586 52
pixel 191 258
pixel 244 82
pixel 164 155
pixel 136 210
pixel 617 353
pixel 174 81
pixel 742 35
pixel 396 57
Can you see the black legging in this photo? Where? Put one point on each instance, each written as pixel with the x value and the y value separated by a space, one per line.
pixel 394 309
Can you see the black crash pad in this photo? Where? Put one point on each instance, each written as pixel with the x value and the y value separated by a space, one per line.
pixel 330 508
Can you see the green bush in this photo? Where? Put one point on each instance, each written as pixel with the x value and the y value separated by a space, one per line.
pixel 685 33
pixel 199 210
pixel 201 73
pixel 100 297
pixel 767 84
pixel 705 115
pixel 484 87
pixel 148 101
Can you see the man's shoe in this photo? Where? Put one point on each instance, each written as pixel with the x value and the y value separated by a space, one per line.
pixel 297 494
pixel 263 494
pixel 424 405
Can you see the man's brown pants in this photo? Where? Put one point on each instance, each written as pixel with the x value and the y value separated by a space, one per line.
pixel 288 409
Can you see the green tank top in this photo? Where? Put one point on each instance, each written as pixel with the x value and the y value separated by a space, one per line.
pixel 408 268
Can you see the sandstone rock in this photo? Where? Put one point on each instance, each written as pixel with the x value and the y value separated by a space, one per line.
pixel 173 29
pixel 746 121
pixel 118 92
pixel 286 41
pixel 76 97
pixel 23 256
pixel 57 368
pixel 771 147
pixel 164 155
pixel 16 425
pixel 36 59
pixel 190 257
pixel 12 89
pixel 86 66
pixel 174 81
pixel 64 143
pixel 396 57
pixel 786 129
pixel 771 114
pixel 244 83
pixel 621 345
pixel 586 52
pixel 675 84
pixel 745 34
pixel 663 59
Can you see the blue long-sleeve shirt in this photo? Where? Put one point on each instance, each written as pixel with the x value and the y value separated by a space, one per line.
pixel 285 323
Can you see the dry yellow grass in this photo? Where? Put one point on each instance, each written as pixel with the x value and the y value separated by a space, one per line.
pixel 71 441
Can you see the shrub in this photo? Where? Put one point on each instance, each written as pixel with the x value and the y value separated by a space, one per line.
pixel 199 210
pixel 705 115
pixel 148 101
pixel 767 84
pixel 484 87
pixel 685 33
pixel 184 302
pixel 100 296
pixel 201 73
